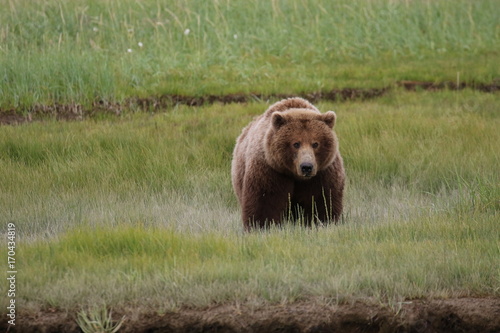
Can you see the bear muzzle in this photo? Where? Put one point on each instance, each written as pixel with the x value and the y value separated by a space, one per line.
pixel 307 169
pixel 305 165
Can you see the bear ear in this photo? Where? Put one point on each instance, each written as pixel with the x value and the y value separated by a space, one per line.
pixel 329 118
pixel 278 120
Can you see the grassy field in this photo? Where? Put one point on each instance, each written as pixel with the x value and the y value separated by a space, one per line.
pixel 84 51
pixel 138 211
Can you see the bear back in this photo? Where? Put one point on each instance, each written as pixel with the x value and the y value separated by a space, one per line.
pixel 288 104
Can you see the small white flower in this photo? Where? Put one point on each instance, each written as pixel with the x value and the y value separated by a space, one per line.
pixel 129 50
pixel 140 44
pixel 235 36
pixel 94 29
pixel 186 32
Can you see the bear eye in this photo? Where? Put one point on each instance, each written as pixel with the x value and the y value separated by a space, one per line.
pixel 296 145
pixel 315 145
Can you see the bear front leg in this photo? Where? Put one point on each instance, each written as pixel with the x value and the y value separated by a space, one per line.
pixel 265 199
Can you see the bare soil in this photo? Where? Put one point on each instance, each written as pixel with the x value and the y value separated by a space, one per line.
pixel 445 315
pixel 163 102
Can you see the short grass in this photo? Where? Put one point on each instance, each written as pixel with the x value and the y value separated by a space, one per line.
pixel 83 51
pixel 138 211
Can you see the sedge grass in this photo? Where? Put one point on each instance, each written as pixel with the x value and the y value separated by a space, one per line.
pixel 419 144
pixel 75 52
pixel 162 269
pixel 139 211
pixel 98 321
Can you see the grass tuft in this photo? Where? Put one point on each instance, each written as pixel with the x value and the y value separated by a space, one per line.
pixel 98 321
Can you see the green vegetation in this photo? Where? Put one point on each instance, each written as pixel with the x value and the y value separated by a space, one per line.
pixel 138 211
pixel 78 51
pixel 98 321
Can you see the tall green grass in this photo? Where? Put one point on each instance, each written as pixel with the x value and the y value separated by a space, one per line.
pixel 78 51
pixel 139 211
pixel 419 143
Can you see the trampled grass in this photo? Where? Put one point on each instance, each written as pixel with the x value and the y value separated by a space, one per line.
pixel 139 211
pixel 81 52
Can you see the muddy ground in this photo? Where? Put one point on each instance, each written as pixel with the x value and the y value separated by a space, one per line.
pixel 160 103
pixel 447 315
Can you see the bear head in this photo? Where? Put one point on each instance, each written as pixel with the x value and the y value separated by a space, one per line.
pixel 301 142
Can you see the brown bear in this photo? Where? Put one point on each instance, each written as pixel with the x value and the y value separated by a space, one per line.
pixel 287 165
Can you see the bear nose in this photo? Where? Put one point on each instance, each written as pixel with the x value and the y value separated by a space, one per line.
pixel 306 168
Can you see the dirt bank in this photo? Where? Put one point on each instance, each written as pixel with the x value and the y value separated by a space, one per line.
pixel 159 103
pixel 450 315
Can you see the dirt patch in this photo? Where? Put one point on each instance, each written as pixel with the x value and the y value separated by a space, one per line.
pixel 433 86
pixel 313 97
pixel 159 103
pixel 448 315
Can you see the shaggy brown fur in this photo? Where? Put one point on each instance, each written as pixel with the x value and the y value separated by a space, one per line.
pixel 286 163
